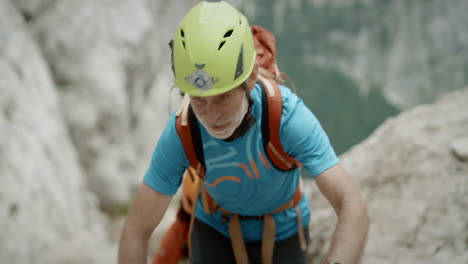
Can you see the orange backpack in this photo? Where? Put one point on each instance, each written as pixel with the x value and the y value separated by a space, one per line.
pixel 189 133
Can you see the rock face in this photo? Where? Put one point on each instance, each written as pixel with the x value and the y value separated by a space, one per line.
pixel 43 200
pixel 415 185
pixel 81 84
pixel 110 79
pixel 90 72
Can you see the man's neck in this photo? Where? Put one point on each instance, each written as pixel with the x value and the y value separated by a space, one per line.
pixel 247 122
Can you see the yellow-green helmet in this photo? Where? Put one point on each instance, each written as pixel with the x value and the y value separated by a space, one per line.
pixel 213 49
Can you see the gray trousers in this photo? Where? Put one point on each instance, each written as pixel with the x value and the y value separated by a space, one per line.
pixel 210 247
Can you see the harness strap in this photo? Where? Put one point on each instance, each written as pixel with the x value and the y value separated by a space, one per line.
pixel 268 239
pixel 237 241
pixel 269 229
pixel 192 221
pixel 300 231
pixel 235 232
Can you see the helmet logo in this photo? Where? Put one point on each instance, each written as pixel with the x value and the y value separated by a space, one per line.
pixel 202 80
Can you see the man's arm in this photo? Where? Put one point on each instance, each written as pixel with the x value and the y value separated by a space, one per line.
pixel 145 214
pixel 351 231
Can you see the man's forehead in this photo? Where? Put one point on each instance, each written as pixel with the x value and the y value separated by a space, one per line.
pixel 235 90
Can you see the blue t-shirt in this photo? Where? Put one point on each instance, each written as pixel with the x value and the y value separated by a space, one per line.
pixel 239 175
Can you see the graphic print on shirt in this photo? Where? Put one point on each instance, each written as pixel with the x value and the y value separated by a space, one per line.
pixel 230 170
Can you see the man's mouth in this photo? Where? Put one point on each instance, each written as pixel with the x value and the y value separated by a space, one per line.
pixel 220 127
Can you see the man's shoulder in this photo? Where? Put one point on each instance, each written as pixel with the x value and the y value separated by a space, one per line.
pixel 285 92
pixel 170 130
pixel 290 100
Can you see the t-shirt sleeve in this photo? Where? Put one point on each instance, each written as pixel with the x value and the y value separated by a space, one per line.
pixel 303 137
pixel 168 161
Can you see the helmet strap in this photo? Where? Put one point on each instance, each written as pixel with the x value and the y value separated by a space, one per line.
pixel 171 46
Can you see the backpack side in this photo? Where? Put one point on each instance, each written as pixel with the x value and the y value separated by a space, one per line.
pixel 272 105
pixel 272 109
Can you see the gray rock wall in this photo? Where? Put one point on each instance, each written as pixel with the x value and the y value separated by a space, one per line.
pixel 414 179
pixel 43 200
pixel 84 94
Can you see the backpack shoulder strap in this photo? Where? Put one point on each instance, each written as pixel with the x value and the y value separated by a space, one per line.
pixel 189 134
pixel 272 109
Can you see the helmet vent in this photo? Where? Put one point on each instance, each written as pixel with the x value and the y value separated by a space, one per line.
pixel 228 33
pixel 182 35
pixel 221 44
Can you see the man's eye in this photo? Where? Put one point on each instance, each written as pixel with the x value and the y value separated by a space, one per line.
pixel 196 100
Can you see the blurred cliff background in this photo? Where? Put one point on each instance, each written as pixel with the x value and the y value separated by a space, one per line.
pixel 85 91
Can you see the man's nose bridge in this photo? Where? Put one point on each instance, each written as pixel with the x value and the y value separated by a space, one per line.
pixel 212 109
pixel 211 105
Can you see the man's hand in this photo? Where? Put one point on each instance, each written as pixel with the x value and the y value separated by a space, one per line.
pixel 145 214
pixel 351 231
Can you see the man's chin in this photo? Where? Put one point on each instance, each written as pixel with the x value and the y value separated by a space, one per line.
pixel 222 134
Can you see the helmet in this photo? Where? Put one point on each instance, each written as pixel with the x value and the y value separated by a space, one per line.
pixel 213 50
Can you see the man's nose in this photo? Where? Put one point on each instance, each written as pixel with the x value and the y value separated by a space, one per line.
pixel 212 112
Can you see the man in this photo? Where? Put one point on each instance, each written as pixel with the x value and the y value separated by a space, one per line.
pixel 214 62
